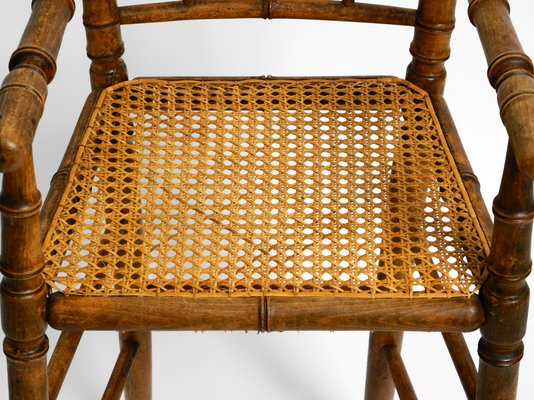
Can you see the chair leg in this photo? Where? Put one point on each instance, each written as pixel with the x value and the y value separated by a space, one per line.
pixel 505 294
pixel 27 379
pixel 23 292
pixel 25 348
pixel 139 385
pixel 501 348
pixel 379 383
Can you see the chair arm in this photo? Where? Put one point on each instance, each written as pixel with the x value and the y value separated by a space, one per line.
pixel 510 72
pixel 32 66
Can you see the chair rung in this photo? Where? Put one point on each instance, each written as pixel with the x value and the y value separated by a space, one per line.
pixel 121 371
pixel 399 374
pixel 463 362
pixel 60 361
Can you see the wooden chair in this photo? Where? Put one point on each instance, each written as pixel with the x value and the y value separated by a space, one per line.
pixel 266 204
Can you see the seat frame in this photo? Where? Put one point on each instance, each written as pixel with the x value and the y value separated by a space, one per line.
pixel 500 311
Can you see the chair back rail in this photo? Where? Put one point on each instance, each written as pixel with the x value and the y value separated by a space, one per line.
pixel 433 21
pixel 345 10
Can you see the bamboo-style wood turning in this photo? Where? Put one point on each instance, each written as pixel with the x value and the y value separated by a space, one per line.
pixel 347 10
pixel 32 66
pixel 506 292
pixel 430 46
pixel 267 204
pixel 104 42
pixel 510 72
pixel 23 289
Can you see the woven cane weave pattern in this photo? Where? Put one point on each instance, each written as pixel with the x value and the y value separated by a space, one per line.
pixel 265 187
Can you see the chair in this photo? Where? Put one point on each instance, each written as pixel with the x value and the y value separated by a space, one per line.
pixel 264 204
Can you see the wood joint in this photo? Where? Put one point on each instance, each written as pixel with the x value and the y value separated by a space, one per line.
pixel 500 356
pixel 23 211
pixel 266 9
pixel 469 176
pixel 475 4
pixel 509 64
pixel 522 217
pixel 509 278
pixel 27 284
pixel 106 25
pixel 264 314
pixel 436 28
pixel 38 57
pixel 434 60
pixel 26 351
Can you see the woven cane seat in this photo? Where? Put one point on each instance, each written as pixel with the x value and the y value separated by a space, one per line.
pixel 327 187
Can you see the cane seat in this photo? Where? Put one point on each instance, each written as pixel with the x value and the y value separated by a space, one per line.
pixel 265 187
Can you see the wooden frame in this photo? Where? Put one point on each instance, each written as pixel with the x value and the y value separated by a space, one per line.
pixel 504 297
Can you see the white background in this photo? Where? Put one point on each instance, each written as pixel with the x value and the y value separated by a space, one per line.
pixel 292 366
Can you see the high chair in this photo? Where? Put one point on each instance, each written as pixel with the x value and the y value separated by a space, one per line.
pixel 264 203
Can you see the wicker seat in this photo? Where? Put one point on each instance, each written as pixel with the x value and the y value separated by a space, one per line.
pixel 265 187
pixel 267 204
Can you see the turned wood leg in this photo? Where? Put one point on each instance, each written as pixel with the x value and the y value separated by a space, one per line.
pixel 505 294
pixel 501 347
pixel 23 292
pixel 379 383
pixel 139 385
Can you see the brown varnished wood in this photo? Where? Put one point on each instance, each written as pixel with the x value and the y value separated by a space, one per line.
pixel 139 383
pixel 272 314
pixel 121 370
pixel 39 46
pixel 430 46
pixel 23 291
pixel 463 362
pixel 505 294
pixel 138 314
pixel 23 294
pixel 60 178
pixel 299 313
pixel 104 43
pixel 510 72
pixel 379 384
pixel 398 372
pixel 471 182
pixel 32 66
pixel 60 361
pixel 317 9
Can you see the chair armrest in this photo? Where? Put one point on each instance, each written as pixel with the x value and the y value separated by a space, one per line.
pixel 32 67
pixel 510 72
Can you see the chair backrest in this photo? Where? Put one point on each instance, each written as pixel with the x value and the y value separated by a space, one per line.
pixel 433 21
